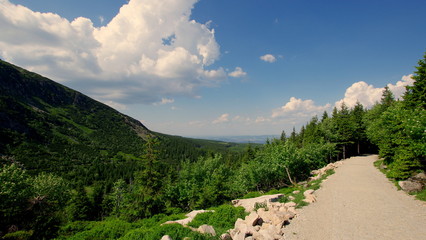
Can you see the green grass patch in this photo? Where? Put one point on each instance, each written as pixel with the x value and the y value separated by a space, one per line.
pixel 260 205
pixel 253 195
pixel 421 195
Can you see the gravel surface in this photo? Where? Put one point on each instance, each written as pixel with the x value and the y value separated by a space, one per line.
pixel 359 202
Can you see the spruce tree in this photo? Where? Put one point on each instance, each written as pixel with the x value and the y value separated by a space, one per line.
pixel 416 94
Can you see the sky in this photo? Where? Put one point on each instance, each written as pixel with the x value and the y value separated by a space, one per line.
pixel 219 67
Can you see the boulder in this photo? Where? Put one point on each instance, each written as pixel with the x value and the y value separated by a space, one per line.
pixel 206 229
pixel 225 236
pixel 290 204
pixel 309 196
pixel 308 192
pixel 166 237
pixel 420 178
pixel 292 210
pixel 190 216
pixel 253 219
pixel 250 203
pixel 410 186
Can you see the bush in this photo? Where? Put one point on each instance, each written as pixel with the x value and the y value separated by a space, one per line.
pixel 175 231
pixel 222 219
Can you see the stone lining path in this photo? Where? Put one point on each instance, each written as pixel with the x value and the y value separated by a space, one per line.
pixel 359 202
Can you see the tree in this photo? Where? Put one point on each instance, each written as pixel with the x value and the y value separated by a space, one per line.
pixel 283 137
pixel 79 206
pixel 324 116
pixel 344 127
pixel 387 98
pixel 357 115
pixel 416 94
pixel 14 193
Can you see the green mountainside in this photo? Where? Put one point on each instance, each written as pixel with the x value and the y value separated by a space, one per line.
pixel 48 127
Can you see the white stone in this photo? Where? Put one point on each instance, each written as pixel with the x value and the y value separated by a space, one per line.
pixel 206 229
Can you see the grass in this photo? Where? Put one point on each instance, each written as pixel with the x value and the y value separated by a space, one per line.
pixel 288 191
pixel 222 219
pixel 421 195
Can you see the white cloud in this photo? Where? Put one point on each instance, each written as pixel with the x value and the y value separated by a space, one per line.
pixel 222 119
pixel 165 101
pixel 368 95
pixel 262 119
pixel 238 72
pixel 268 58
pixel 126 56
pixel 300 108
pixel 399 88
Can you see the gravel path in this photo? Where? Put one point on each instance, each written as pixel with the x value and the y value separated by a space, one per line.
pixel 358 202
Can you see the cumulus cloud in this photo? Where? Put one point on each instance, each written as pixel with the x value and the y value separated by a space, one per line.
pixel 299 107
pixel 368 95
pixel 268 58
pixel 222 119
pixel 128 57
pixel 238 72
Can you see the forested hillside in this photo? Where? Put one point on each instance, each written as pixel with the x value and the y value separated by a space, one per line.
pixel 75 168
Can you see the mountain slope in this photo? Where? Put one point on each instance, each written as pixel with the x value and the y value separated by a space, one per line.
pixel 49 127
pixel 46 126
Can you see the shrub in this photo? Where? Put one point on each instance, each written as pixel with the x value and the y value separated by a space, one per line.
pixel 222 219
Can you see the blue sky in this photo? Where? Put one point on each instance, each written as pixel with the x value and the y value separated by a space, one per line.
pixel 216 67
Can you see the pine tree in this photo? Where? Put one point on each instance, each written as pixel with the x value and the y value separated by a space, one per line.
pixel 283 137
pixel 416 94
pixel 357 115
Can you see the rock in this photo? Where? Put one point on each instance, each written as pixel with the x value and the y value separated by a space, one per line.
pixel 239 236
pixel 190 217
pixel 296 192
pixel 264 215
pixel 310 199
pixel 253 219
pixel 291 198
pixel 279 218
pixel 409 186
pixel 420 176
pixel 265 234
pixel 249 204
pixel 290 204
pixel 309 196
pixel 166 237
pixel 283 209
pixel 206 229
pixel 308 192
pixel 242 229
pixel 225 236
pixel 292 210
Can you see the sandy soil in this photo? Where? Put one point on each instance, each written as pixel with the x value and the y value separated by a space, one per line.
pixel 359 202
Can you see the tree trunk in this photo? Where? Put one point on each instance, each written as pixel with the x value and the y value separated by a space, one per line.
pixel 289 177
